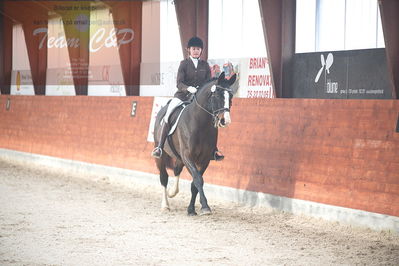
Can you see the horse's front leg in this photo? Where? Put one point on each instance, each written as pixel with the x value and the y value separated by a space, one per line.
pixel 191 206
pixel 197 186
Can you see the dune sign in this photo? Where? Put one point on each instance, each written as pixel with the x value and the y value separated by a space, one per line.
pixel 353 74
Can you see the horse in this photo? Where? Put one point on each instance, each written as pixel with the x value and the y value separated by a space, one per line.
pixel 193 142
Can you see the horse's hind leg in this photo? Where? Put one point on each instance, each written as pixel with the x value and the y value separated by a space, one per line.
pixel 164 177
pixel 177 170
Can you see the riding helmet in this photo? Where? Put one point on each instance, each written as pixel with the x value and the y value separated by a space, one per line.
pixel 195 42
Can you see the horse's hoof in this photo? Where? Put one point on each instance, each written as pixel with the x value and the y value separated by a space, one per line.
pixel 165 209
pixel 191 212
pixel 205 211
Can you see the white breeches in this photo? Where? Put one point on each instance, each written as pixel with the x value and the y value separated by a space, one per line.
pixel 172 105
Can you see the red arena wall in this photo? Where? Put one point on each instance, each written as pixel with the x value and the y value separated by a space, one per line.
pixel 337 152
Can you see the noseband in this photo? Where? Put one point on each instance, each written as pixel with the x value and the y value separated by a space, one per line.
pixel 214 113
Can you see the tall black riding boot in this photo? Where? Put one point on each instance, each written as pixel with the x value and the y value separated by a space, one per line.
pixel 157 152
pixel 217 155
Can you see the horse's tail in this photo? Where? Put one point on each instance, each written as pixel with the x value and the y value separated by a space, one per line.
pixel 169 162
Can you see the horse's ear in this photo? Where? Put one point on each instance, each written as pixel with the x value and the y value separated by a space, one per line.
pixel 232 79
pixel 221 77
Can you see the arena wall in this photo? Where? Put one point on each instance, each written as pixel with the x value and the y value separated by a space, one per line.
pixel 337 152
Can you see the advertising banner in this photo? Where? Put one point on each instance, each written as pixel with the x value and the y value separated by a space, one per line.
pixel 255 78
pixel 81 45
pixel 357 74
pixel 159 78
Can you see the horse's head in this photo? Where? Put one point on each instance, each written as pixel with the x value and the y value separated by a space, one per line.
pixel 220 98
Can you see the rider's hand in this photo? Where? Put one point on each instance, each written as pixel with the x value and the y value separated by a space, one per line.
pixel 192 89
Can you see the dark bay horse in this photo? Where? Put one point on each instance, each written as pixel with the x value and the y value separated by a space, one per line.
pixel 193 142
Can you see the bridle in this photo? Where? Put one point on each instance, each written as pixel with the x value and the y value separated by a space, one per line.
pixel 214 113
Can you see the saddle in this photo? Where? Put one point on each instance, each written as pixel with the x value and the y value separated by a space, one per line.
pixel 173 121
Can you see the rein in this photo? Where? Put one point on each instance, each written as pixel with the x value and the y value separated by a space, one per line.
pixel 196 101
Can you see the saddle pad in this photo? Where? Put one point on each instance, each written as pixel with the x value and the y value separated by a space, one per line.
pixel 174 126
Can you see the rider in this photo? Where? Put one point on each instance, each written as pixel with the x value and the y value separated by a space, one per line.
pixel 193 73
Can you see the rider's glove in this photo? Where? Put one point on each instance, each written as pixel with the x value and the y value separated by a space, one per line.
pixel 192 89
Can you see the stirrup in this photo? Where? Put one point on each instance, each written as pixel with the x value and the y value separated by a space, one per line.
pixel 218 157
pixel 157 152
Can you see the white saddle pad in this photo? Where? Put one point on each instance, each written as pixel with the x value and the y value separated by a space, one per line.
pixel 174 126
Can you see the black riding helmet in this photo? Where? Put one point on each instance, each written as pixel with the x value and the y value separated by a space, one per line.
pixel 195 42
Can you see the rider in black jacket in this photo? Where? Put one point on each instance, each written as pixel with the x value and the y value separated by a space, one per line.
pixel 193 73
